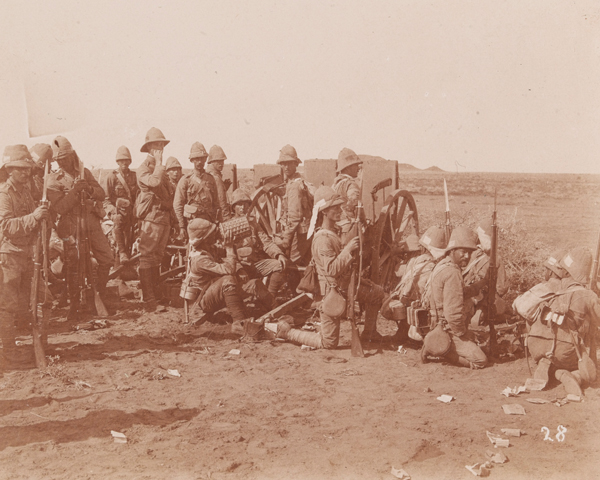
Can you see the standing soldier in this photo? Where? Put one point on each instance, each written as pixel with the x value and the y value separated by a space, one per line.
pixel 65 189
pixel 334 265
pixel 121 192
pixel 346 185
pixel 448 293
pixel 216 162
pixel 295 216
pixel 196 194
pixel 155 210
pixel 174 171
pixel 19 223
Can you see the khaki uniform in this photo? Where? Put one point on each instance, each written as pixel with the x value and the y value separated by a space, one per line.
pixel 347 187
pixel 217 283
pixel 121 194
pixel 447 303
pixel 19 229
pixel 224 207
pixel 295 219
pixel 334 268
pixel 582 318
pixel 155 210
pixel 199 193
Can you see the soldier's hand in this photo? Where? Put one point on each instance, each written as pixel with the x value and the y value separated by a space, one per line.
pixel 157 154
pixel 81 185
pixel 283 261
pixel 228 238
pixel 41 212
pixel 182 235
pixel 352 245
pixel 227 182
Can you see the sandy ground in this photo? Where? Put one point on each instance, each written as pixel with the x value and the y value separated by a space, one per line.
pixel 274 411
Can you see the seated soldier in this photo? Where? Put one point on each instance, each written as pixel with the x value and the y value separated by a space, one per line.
pixel 258 255
pixel 216 280
pixel 559 337
pixel 334 267
pixel 477 270
pixel 413 282
pixel 446 299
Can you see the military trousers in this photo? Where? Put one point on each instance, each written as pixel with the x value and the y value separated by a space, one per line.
pixel 154 238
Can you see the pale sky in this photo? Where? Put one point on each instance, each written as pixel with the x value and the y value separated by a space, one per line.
pixel 490 85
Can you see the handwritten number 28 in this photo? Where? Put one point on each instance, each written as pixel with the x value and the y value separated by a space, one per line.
pixel 560 436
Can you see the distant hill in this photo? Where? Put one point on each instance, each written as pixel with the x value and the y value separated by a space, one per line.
pixel 434 169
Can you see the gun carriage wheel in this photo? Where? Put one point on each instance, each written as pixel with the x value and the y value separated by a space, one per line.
pixel 266 208
pixel 398 219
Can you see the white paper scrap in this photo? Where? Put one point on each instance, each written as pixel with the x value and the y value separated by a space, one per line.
pixel 118 437
pixel 174 373
pixel 445 398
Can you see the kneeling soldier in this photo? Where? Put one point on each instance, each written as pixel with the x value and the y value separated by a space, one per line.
pixel 216 280
pixel 334 268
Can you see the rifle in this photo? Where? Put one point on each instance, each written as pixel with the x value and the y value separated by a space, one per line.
pixel 40 264
pixel 85 260
pixel 355 345
pixel 493 277
pixel 448 227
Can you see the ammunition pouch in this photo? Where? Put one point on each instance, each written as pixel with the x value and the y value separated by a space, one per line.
pixel 190 211
pixel 419 319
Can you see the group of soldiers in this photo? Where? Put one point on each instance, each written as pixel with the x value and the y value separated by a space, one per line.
pixel 442 290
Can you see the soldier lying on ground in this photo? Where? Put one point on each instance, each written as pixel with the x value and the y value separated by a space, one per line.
pixel 561 334
pixel 217 281
pixel 414 280
pixel 334 265
pixel 450 337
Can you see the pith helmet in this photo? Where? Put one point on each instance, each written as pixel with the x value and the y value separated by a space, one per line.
pixel 61 147
pixel 199 229
pixel 198 151
pixel 434 237
pixel 17 156
pixel 578 262
pixel 41 153
pixel 123 154
pixel 216 153
pixel 347 158
pixel 153 135
pixel 172 162
pixel 462 237
pixel 326 197
pixel 288 154
pixel 239 196
pixel 484 227
pixel 412 243
pixel 553 263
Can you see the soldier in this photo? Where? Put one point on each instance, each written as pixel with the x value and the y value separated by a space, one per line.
pixel 447 297
pixel 155 210
pixel 174 171
pixel 216 162
pixel 345 184
pixel 40 153
pixel 19 224
pixel 121 193
pixel 65 191
pixel 257 254
pixel 477 269
pixel 295 216
pixel 560 335
pixel 553 268
pixel 196 194
pixel 334 265
pixel 217 282
pixel 414 280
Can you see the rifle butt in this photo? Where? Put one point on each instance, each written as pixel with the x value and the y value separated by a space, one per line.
pixel 38 337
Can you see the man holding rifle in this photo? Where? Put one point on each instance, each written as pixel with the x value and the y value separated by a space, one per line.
pixel 77 198
pixel 19 224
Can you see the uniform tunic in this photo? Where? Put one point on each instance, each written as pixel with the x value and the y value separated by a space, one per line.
pixel 155 209
pixel 120 199
pixel 295 219
pixel 197 190
pixel 224 207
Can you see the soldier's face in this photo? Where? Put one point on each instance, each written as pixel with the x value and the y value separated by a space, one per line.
pixel 199 163
pixel 19 175
pixel 289 168
pixel 460 256
pixel 174 174
pixel 240 209
pixel 124 165
pixel 333 213
pixel 353 170
pixel 218 165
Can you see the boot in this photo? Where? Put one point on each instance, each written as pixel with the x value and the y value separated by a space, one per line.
pixel 276 282
pixel 569 381
pixel 148 298
pixel 401 335
pixel 301 337
pixel 159 287
pixel 542 372
pixel 119 238
pixel 234 303
pixel 369 333
pixel 103 272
